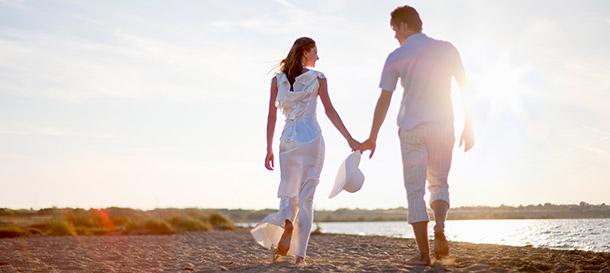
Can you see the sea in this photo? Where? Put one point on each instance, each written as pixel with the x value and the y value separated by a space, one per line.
pixel 566 234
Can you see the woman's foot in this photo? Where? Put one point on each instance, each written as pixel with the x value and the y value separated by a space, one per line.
pixel 284 244
pixel 420 259
pixel 299 260
pixel 274 254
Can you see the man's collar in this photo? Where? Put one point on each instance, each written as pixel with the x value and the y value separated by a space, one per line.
pixel 414 37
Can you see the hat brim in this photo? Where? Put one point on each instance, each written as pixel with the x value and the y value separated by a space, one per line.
pixel 336 190
pixel 341 179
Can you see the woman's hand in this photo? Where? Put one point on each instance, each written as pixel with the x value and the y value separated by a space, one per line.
pixel 369 144
pixel 353 144
pixel 269 161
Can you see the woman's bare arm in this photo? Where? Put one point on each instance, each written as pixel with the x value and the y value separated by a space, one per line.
pixel 271 119
pixel 333 116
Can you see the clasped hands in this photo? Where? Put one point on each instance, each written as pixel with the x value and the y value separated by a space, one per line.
pixel 368 144
pixel 466 140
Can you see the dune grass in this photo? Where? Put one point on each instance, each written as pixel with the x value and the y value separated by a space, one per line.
pixel 220 221
pixel 108 221
pixel 189 223
pixel 12 232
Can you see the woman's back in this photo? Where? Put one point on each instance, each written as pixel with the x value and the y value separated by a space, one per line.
pixel 298 102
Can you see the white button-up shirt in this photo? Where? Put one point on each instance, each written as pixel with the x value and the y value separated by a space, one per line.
pixel 425 67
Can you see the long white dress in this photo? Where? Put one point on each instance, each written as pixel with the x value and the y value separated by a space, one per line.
pixel 301 159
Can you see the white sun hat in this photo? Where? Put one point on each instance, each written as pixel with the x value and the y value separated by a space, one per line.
pixel 349 178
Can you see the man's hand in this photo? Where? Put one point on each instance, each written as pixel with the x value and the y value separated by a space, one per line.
pixel 370 145
pixel 269 161
pixel 467 137
pixel 381 109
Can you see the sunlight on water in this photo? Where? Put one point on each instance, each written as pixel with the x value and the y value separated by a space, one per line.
pixel 584 234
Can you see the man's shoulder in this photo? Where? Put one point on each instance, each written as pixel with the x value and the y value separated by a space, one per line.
pixel 440 43
pixel 396 52
pixel 401 52
pixel 443 45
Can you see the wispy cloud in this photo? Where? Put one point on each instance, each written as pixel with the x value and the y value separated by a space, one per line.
pixel 127 66
pixel 597 151
pixel 55 132
pixel 286 3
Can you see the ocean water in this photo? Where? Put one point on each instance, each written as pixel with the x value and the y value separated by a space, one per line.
pixel 582 234
pixel 567 234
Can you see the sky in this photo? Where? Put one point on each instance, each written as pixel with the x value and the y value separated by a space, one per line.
pixel 151 104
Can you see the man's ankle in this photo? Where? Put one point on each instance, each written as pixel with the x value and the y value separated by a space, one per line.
pixel 439 228
pixel 439 235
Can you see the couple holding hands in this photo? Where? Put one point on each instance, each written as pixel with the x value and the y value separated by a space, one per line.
pixel 425 67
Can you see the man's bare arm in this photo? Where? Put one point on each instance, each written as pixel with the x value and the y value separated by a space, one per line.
pixel 381 110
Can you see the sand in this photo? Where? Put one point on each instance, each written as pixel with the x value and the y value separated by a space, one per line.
pixel 234 251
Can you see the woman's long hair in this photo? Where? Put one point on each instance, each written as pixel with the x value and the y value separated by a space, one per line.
pixel 291 65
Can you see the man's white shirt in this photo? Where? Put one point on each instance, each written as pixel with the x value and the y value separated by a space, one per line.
pixel 425 67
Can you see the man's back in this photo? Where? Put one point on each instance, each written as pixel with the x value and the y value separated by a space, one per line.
pixel 425 67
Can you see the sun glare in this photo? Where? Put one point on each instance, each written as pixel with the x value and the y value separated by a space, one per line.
pixel 502 86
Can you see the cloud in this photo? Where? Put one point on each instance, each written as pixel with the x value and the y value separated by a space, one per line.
pixel 128 65
pixel 597 151
pixel 55 132
pixel 286 4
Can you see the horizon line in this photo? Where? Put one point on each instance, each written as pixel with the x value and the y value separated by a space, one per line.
pixel 581 203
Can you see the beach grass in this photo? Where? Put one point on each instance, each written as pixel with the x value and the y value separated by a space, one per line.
pixel 108 221
pixel 220 221
pixel 189 223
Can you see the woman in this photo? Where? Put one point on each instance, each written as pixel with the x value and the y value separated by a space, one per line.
pixel 295 90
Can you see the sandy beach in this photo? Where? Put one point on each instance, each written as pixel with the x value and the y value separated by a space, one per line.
pixel 234 251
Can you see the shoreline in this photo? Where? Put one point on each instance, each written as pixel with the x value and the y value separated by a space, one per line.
pixel 235 251
pixel 554 234
pixel 583 210
pixel 466 242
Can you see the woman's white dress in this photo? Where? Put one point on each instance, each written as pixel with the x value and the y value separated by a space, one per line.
pixel 301 159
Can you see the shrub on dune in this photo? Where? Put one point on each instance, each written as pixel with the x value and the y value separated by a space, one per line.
pixel 60 227
pixel 220 221
pixel 123 216
pixel 158 226
pixel 150 226
pixel 39 226
pixel 34 231
pixel 6 211
pixel 83 219
pixel 89 231
pixel 119 220
pixel 197 213
pixel 188 223
pixel 49 211
pixel 114 220
pixel 12 232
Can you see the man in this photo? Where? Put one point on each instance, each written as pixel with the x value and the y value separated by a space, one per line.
pixel 425 67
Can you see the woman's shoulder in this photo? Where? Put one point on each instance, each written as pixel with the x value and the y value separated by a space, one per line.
pixel 317 73
pixel 280 77
pixel 306 76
